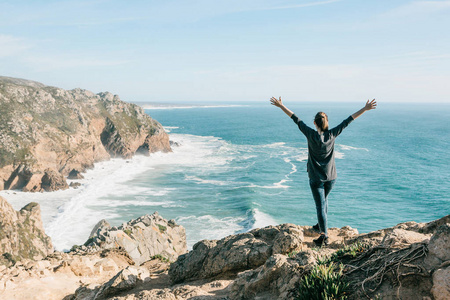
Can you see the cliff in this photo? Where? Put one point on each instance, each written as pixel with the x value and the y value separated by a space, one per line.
pixel 408 261
pixel 47 133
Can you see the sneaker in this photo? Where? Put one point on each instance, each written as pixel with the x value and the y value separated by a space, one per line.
pixel 316 227
pixel 321 241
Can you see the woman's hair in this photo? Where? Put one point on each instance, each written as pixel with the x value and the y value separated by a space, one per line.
pixel 321 120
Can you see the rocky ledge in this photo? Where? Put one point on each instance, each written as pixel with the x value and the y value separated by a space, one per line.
pixel 146 259
pixel 47 133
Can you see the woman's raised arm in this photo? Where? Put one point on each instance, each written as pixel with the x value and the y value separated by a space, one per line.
pixel 279 103
pixel 369 105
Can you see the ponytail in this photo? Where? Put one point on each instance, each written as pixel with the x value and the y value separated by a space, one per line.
pixel 321 120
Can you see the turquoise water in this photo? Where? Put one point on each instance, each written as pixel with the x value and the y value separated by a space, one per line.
pixel 244 166
pixel 393 166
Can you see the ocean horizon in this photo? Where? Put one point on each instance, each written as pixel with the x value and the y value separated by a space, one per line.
pixel 238 166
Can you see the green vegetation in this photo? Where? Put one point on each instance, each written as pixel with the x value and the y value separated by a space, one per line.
pixel 127 231
pixel 20 156
pixel 292 254
pixel 324 282
pixel 162 228
pixel 160 257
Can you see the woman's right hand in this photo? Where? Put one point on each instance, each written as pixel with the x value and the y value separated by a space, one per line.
pixel 370 104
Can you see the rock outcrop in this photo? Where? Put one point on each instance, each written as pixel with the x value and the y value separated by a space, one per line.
pixel 142 238
pixel 45 129
pixel 236 252
pixel 22 234
pixel 408 261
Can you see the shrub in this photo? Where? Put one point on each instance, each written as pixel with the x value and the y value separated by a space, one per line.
pixel 292 254
pixel 324 282
pixel 162 228
pixel 160 257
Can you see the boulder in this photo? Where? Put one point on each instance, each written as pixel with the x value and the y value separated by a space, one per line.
pixel 441 284
pixel 53 181
pixel 75 174
pixel 142 238
pixel 277 278
pixel 439 245
pixel 401 238
pixel 74 185
pixel 236 252
pixel 401 235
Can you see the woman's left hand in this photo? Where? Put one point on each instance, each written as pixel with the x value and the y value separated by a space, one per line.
pixel 276 102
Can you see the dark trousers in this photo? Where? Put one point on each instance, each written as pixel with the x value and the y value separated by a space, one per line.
pixel 320 191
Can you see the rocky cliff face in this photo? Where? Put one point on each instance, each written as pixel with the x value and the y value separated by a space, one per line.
pixel 46 131
pixel 22 234
pixel 408 261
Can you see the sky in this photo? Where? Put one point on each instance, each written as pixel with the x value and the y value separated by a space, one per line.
pixel 232 50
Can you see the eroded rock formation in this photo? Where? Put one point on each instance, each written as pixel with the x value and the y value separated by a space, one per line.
pixel 22 235
pixel 142 238
pixel 45 129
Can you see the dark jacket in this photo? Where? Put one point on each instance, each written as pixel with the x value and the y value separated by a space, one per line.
pixel 321 165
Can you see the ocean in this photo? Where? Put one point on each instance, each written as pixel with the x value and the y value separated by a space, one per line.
pixel 240 166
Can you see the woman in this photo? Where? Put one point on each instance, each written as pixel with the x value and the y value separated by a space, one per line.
pixel 321 166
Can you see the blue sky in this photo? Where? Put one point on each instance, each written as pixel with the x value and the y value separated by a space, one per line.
pixel 233 50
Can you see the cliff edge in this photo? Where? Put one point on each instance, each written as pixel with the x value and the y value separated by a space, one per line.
pixel 47 133
pixel 408 261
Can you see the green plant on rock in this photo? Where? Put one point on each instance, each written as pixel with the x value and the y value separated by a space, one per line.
pixel 292 254
pixel 324 282
pixel 352 250
pixel 162 228
pixel 160 257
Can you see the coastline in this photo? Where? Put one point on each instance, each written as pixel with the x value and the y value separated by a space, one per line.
pixel 209 167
